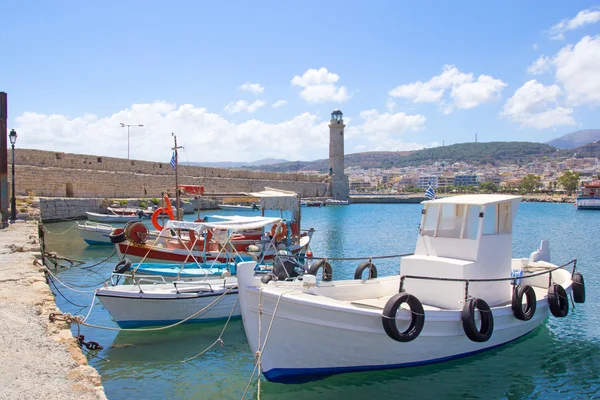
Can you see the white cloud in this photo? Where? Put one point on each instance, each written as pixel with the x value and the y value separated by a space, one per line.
pixel 535 46
pixel 465 91
pixel 254 88
pixel 279 103
pixel 539 66
pixel 243 105
pixel 578 71
pixel 535 105
pixel 584 17
pixel 319 86
pixel 203 134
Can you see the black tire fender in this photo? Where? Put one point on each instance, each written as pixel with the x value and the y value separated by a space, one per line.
pixel 578 288
pixel 468 320
pixel 122 266
pixel 327 270
pixel 268 278
pixel 361 268
pixel 517 302
pixel 118 238
pixel 388 317
pixel 558 301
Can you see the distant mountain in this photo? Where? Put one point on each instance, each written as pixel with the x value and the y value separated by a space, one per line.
pixel 233 164
pixel 576 139
pixel 473 153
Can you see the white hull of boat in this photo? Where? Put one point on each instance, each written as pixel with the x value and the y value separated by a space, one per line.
pixel 348 336
pixel 95 233
pixel 110 218
pixel 160 304
pixel 587 204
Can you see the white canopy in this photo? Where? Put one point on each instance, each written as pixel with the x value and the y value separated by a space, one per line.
pixel 232 224
pixel 276 199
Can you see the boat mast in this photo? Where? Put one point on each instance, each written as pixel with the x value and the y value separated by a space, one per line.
pixel 178 216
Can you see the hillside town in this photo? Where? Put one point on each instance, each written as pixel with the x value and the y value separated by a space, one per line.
pixel 553 176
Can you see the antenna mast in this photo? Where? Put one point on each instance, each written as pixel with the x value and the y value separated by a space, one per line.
pixel 178 213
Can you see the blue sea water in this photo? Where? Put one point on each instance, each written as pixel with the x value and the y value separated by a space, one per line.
pixel 559 360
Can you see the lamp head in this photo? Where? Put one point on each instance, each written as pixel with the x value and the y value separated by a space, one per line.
pixel 13 136
pixel 122 125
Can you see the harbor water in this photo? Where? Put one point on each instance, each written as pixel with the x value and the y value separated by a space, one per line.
pixel 560 359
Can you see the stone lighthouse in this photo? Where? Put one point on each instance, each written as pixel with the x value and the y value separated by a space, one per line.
pixel 339 187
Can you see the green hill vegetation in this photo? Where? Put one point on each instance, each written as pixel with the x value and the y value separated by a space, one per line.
pixel 494 153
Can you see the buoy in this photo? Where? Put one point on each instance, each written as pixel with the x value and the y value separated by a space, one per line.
pixel 309 254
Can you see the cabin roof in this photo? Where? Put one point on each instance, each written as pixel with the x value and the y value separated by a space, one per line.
pixel 474 199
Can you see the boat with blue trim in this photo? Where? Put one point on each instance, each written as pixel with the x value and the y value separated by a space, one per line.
pixel 459 294
pixel 588 196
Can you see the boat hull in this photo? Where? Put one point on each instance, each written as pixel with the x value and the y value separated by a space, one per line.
pixel 131 309
pixel 96 217
pixel 349 338
pixel 587 204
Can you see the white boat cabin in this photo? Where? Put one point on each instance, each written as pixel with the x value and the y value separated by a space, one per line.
pixel 465 237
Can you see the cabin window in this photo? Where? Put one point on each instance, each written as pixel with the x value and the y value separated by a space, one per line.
pixel 505 217
pixel 471 225
pixel 450 221
pixel 431 217
pixel 490 219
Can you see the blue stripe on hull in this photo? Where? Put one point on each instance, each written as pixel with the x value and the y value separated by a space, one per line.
pixel 302 375
pixel 88 241
pixel 138 324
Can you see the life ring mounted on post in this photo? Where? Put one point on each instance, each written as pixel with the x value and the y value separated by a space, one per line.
pixel 167 209
pixel 279 231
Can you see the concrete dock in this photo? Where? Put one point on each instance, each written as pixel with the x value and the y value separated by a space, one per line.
pixel 38 359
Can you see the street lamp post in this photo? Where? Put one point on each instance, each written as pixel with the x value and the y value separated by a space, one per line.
pixel 129 126
pixel 13 202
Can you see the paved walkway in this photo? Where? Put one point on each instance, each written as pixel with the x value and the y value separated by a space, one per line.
pixel 38 360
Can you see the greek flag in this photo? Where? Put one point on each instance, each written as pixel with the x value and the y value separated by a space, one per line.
pixel 430 193
pixel 174 161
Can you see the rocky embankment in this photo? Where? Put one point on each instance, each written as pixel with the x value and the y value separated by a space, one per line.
pixel 38 359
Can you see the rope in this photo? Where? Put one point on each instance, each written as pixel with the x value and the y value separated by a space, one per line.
pixel 68 286
pixel 81 322
pixel 219 340
pixel 62 295
pixel 101 262
pixel 61 233
pixel 368 258
pixel 261 349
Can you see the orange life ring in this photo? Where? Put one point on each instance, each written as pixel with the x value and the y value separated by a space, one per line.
pixel 279 231
pixel 155 215
pixel 168 208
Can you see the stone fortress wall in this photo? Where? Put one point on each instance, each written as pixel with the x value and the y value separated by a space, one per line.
pixel 54 174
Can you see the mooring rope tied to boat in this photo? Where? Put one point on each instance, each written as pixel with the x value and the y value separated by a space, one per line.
pixel 86 292
pixel 261 349
pixel 219 339
pixel 63 296
pixel 61 233
pixel 101 262
pixel 77 319
pixel 368 258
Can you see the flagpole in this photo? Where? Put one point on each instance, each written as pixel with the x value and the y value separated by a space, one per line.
pixel 179 217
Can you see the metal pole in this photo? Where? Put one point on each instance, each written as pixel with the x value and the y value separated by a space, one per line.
pixel 179 218
pixel 3 159
pixel 128 142
pixel 13 202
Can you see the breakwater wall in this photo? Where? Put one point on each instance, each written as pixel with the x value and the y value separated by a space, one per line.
pixel 55 174
pixel 386 199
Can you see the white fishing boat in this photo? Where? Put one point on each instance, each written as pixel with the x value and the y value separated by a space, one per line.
pixel 97 233
pixel 336 202
pixel 151 302
pixel 113 218
pixel 588 196
pixel 460 293
pixel 238 207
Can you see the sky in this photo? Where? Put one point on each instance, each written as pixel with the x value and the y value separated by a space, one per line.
pixel 244 81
